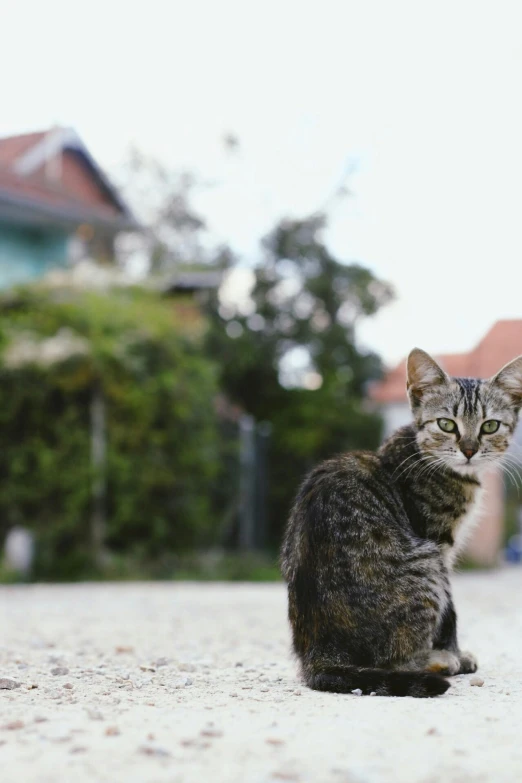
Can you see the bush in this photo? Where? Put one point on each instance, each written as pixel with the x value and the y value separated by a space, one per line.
pixel 162 459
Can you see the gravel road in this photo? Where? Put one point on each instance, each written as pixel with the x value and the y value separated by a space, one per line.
pixel 167 682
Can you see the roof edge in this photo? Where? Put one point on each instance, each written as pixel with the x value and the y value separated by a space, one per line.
pixel 63 138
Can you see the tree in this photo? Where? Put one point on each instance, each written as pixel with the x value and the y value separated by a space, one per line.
pixel 294 360
pixel 164 199
pixel 288 354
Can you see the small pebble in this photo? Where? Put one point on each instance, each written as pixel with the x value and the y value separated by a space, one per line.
pixel 112 731
pixel 357 692
pixel 59 671
pixel 211 733
pixel 124 648
pixel 477 681
pixel 14 725
pixel 154 750
pixel 7 683
pixel 67 685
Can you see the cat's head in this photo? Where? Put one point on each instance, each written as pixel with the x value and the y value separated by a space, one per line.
pixel 465 423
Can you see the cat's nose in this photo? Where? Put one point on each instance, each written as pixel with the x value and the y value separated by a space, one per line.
pixel 468 450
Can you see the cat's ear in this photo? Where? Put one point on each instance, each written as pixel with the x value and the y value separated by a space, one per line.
pixel 423 373
pixel 509 378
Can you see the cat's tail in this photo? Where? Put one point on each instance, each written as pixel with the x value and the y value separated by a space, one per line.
pixel 346 679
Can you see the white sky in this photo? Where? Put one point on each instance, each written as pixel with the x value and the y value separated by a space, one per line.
pixel 425 96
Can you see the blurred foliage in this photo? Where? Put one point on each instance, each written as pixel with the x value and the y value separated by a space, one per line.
pixel 163 457
pixel 217 565
pixel 174 381
pixel 300 331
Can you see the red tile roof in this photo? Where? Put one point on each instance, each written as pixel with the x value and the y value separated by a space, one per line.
pixel 37 190
pixel 11 147
pixel 80 194
pixel 502 343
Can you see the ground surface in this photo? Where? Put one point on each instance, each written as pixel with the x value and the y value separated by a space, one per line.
pixel 146 683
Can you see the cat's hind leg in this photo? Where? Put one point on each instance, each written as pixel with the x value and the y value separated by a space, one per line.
pixel 423 615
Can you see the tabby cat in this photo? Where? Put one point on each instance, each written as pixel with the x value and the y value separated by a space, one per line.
pixel 372 537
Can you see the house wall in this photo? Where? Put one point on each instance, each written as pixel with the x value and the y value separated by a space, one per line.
pixel 28 253
pixel 395 415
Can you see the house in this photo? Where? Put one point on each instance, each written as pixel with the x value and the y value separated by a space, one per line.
pixel 56 205
pixel 501 343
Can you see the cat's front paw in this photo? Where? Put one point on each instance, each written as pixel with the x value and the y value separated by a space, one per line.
pixel 468 663
pixel 443 662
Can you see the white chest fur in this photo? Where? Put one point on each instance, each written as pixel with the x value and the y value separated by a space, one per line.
pixel 464 527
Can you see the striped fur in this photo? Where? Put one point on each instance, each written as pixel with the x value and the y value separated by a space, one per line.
pixel 371 538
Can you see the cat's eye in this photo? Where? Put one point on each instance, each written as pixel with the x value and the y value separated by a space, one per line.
pixel 447 425
pixel 490 426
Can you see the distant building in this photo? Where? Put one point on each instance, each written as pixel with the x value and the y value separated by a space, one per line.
pixel 56 205
pixel 502 343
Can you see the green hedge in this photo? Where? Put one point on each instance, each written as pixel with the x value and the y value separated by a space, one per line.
pixel 163 452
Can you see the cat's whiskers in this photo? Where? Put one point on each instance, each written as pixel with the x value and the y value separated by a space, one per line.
pixel 511 468
pixel 436 463
pixel 516 454
pixel 426 461
pixel 411 456
pixel 508 465
pixel 410 468
pixel 511 460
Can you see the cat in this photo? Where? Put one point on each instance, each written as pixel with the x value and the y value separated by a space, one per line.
pixel 371 539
